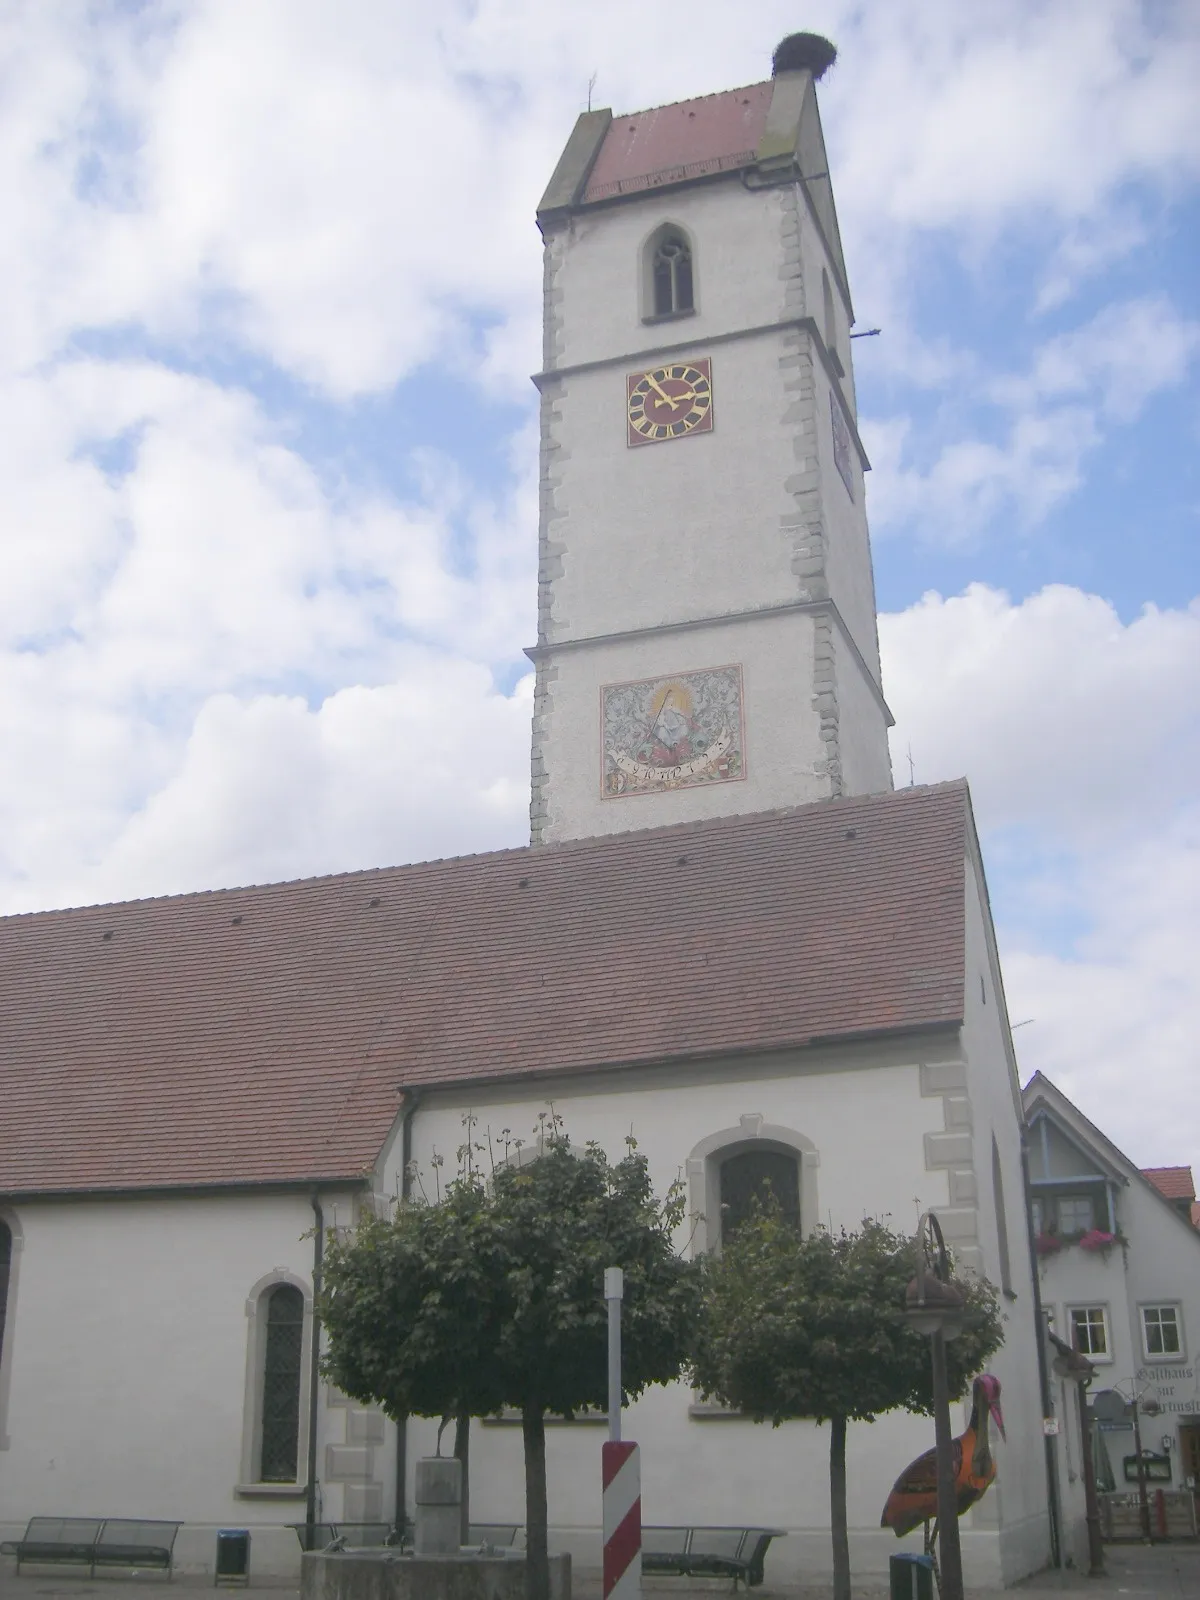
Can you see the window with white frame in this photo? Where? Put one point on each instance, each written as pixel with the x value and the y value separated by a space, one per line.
pixel 1162 1333
pixel 1076 1214
pixel 1089 1331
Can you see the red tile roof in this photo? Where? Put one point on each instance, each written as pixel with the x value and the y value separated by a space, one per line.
pixel 1173 1182
pixel 260 1035
pixel 690 139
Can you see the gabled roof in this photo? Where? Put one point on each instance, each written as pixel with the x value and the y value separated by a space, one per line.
pixel 1040 1093
pixel 1174 1183
pixel 263 1034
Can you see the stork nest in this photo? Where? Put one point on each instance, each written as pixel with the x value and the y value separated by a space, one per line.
pixel 804 52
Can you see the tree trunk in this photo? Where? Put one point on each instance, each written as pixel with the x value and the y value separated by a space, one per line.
pixel 837 1508
pixel 462 1452
pixel 533 1430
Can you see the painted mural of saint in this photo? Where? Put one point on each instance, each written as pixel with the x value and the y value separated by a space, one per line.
pixel 672 727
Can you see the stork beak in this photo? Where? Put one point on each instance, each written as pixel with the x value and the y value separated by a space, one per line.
pixel 998 1417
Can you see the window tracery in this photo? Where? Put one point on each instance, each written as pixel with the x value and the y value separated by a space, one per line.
pixel 669 274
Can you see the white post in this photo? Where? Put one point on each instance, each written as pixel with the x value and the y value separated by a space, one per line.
pixel 614 1289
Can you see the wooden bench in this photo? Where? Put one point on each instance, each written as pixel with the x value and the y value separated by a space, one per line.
pixel 737 1553
pixel 96 1542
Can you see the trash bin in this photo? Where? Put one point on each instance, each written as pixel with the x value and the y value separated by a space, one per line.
pixel 233 1556
pixel 912 1577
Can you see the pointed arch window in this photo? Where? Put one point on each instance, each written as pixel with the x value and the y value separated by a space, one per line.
pixel 670 274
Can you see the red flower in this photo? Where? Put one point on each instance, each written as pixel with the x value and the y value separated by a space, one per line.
pixel 1096 1239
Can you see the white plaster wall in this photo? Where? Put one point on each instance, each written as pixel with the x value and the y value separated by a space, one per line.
pixel 1017 1502
pixel 813 258
pixel 848 552
pixel 736 234
pixel 128 1344
pixel 783 746
pixel 862 727
pixel 865 1112
pixel 686 528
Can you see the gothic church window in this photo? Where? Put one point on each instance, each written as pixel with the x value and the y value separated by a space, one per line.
pixel 282 1357
pixel 670 274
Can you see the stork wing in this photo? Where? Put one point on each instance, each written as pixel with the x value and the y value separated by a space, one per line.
pixel 914 1494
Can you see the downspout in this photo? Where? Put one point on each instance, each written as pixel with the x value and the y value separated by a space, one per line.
pixel 412 1099
pixel 314 1376
pixel 1043 1363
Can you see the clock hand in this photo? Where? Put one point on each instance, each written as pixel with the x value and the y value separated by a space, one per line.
pixel 661 392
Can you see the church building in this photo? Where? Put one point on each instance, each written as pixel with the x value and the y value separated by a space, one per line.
pixel 728 935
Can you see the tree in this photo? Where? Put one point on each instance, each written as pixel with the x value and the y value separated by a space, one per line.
pixel 814 1328
pixel 493 1298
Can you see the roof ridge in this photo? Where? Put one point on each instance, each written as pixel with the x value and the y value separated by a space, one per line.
pixel 691 100
pixel 626 837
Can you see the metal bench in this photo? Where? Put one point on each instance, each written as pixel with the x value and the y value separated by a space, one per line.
pixel 96 1542
pixel 737 1553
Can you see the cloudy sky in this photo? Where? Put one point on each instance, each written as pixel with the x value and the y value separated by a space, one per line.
pixel 269 299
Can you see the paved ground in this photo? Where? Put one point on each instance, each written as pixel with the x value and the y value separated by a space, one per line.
pixel 1158 1572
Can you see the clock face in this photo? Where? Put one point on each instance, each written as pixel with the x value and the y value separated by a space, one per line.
pixel 670 401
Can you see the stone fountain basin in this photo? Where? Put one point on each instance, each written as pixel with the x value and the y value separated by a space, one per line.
pixel 387 1574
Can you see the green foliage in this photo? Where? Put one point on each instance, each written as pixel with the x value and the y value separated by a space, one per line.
pixel 494 1296
pixel 814 1327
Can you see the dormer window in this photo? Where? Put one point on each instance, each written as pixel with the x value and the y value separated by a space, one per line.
pixel 670 277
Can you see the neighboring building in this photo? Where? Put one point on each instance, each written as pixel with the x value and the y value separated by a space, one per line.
pixel 729 936
pixel 1119 1261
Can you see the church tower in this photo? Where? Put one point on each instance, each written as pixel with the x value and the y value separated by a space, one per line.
pixel 707 640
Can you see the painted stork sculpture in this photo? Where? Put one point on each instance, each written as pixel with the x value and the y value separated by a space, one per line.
pixel 914 1495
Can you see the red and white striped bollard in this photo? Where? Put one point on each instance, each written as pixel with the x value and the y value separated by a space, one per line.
pixel 622 1520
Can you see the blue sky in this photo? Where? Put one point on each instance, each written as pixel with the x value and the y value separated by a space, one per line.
pixel 269 301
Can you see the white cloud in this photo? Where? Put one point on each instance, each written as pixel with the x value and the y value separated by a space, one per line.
pixel 1115 1022
pixel 1063 717
pixel 1080 386
pixel 215 668
pixel 1078 734
pixel 268 788
pixel 344 190
pixel 141 605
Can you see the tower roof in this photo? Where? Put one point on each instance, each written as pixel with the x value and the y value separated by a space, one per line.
pixel 771 129
pixel 262 1035
pixel 671 144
